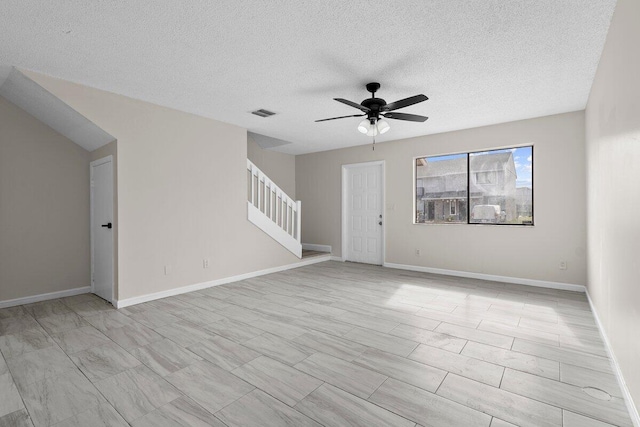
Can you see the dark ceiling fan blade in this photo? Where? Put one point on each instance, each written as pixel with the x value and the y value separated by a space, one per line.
pixel 353 104
pixel 341 117
pixel 404 116
pixel 404 103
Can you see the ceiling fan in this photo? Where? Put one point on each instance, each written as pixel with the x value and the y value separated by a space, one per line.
pixel 376 108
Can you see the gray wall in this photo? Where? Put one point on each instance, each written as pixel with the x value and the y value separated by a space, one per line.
pixel 44 208
pixel 279 167
pixel 181 193
pixel 613 159
pixel 512 251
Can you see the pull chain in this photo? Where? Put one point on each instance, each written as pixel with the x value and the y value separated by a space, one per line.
pixel 374 144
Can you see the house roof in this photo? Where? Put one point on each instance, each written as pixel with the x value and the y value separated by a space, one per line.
pixel 478 62
pixel 477 163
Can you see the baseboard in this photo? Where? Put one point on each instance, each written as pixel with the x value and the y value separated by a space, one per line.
pixel 337 258
pixel 314 247
pixel 45 297
pixel 631 407
pixel 199 286
pixel 482 276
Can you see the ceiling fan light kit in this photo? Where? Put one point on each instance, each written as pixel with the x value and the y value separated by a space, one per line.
pixel 373 128
pixel 375 109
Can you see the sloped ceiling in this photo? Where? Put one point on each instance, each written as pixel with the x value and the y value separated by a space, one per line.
pixel 480 62
pixel 35 100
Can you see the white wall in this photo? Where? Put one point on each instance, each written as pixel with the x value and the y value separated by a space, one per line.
pixel 279 167
pixel 513 251
pixel 613 160
pixel 44 208
pixel 181 193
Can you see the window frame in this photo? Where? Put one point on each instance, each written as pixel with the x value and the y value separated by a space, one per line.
pixel 469 177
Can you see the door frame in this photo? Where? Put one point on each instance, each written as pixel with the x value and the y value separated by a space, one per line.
pixel 345 170
pixel 103 160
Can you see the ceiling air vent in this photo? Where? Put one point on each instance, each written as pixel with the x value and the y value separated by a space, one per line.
pixel 263 113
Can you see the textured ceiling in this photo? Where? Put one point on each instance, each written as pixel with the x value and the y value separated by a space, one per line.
pixel 32 98
pixel 480 62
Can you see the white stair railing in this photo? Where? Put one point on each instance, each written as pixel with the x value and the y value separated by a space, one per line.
pixel 273 211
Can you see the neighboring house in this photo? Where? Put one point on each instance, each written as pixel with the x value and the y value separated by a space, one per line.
pixel 524 202
pixel 441 186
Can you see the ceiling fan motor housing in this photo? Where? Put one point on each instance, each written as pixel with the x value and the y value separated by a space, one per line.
pixel 374 104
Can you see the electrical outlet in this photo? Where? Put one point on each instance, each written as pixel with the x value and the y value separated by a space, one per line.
pixel 167 270
pixel 205 263
pixel 417 252
pixel 563 265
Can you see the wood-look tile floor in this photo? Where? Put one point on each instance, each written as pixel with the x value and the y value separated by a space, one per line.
pixel 333 344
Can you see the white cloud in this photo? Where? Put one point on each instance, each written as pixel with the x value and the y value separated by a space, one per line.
pixel 529 158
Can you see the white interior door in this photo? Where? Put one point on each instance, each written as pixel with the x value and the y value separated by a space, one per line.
pixel 363 222
pixel 102 228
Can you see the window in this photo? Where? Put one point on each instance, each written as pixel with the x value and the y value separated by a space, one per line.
pixel 488 187
pixel 441 189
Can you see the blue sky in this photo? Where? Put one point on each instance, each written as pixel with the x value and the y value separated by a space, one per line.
pixel 522 158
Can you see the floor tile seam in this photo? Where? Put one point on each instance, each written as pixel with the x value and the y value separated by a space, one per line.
pixel 352 363
pixel 514 337
pixel 469 339
pixel 399 379
pixel 351 341
pixel 579 353
pixel 24 404
pixel 55 344
pixel 441 382
pixel 504 368
pixel 95 388
pixel 519 370
pixel 589 417
pixel 27 352
pixel 275 397
pixel 505 391
pixel 623 410
pixel 228 404
pixel 433 393
pixel 363 399
pixel 126 351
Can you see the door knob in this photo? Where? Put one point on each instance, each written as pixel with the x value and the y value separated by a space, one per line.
pixel 107 225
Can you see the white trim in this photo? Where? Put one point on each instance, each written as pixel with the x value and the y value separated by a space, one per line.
pixel 344 204
pixel 273 230
pixel 199 286
pixel 314 247
pixel 482 276
pixel 92 165
pixel 337 258
pixel 45 297
pixel 631 407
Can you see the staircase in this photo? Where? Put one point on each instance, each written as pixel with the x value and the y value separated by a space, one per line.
pixel 271 210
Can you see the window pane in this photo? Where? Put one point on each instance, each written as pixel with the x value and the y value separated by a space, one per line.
pixel 441 189
pixel 501 186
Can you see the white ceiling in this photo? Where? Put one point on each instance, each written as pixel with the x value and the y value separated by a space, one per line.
pixel 480 62
pixel 44 106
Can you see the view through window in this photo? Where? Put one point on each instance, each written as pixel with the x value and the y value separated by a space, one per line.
pixel 488 187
